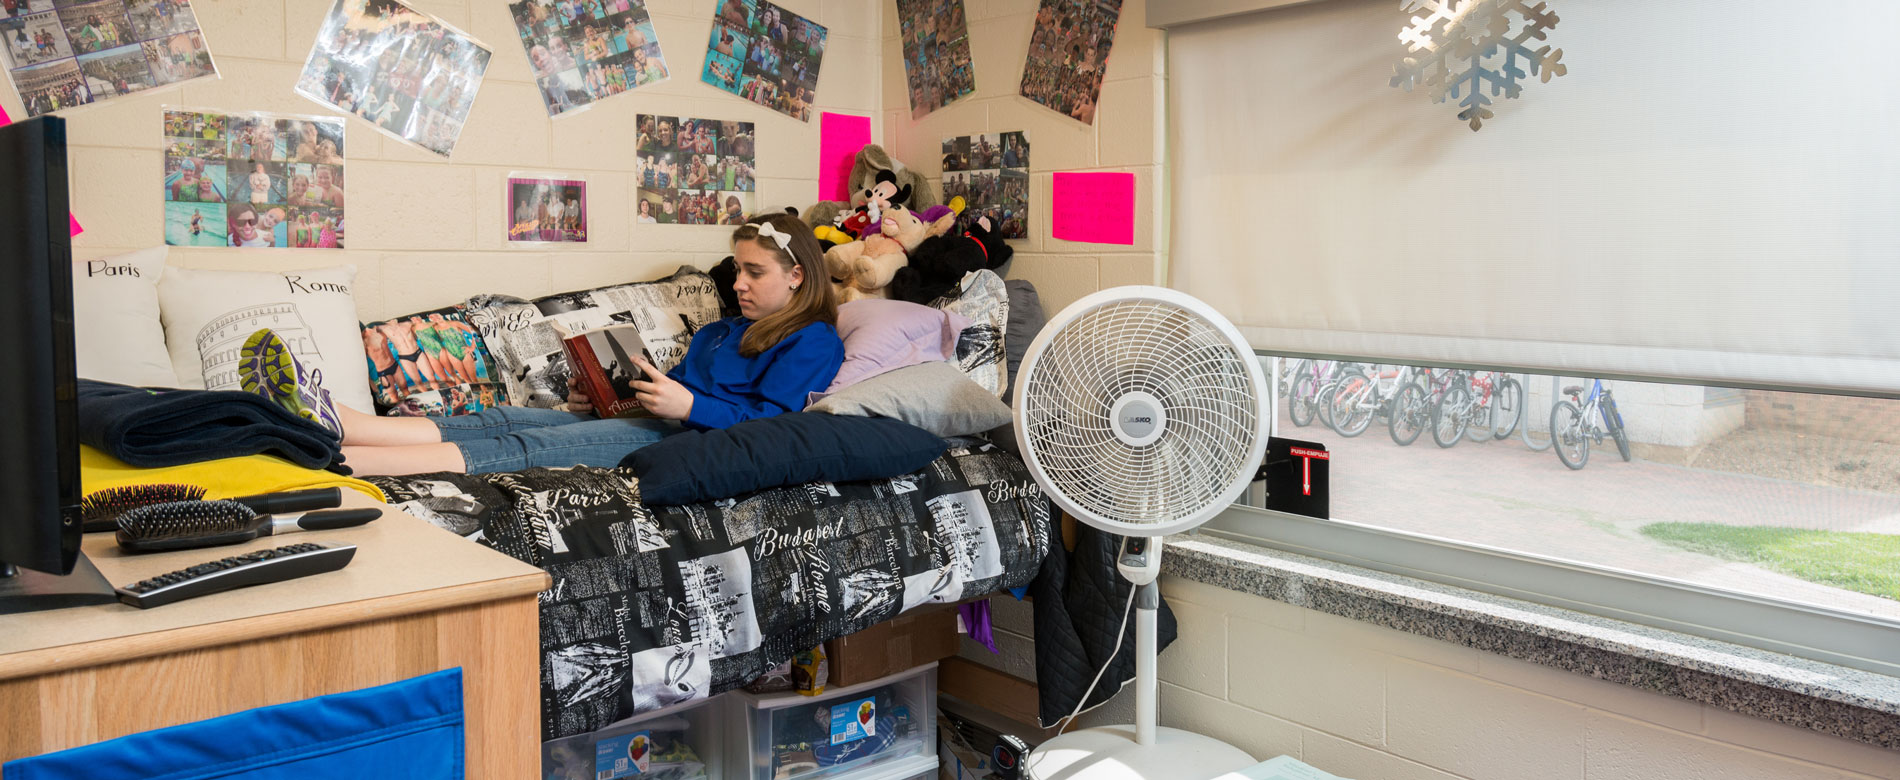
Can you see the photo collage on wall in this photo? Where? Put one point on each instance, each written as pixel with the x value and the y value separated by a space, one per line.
pixel 69 53
pixel 991 172
pixel 546 210
pixel 1068 54
pixel 407 73
pixel 765 54
pixel 253 180
pixel 694 171
pixel 936 53
pixel 582 52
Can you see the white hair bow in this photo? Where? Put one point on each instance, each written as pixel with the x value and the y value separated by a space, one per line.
pixel 767 231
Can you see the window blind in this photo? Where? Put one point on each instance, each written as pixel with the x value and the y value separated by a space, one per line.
pixel 1711 194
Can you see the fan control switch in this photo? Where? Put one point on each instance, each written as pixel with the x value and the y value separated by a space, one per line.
pixel 1140 561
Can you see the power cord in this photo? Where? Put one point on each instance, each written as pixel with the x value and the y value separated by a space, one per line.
pixel 1120 633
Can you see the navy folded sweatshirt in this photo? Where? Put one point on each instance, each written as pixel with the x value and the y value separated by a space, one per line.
pixel 151 428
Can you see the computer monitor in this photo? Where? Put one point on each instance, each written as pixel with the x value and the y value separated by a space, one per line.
pixel 40 524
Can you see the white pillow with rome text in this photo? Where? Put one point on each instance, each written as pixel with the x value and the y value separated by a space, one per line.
pixel 209 314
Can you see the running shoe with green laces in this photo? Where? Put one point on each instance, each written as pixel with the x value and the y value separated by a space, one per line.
pixel 267 368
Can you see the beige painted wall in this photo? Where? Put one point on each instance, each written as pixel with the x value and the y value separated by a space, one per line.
pixel 1125 137
pixel 426 232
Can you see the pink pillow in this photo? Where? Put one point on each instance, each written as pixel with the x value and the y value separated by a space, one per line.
pixel 882 335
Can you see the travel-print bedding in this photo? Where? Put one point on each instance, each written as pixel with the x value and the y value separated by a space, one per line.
pixel 652 606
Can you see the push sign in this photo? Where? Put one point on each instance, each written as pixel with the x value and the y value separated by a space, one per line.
pixel 1296 475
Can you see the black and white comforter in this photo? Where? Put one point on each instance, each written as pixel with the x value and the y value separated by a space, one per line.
pixel 654 606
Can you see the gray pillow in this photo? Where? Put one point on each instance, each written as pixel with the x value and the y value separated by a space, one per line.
pixel 1025 321
pixel 936 397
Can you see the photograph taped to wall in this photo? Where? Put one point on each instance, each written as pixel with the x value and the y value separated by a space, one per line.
pixel 74 53
pixel 991 173
pixel 936 53
pixel 694 171
pixel 1069 53
pixel 546 208
pixel 765 54
pixel 584 52
pixel 407 73
pixel 253 179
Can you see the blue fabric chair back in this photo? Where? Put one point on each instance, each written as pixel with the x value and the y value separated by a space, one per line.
pixel 409 730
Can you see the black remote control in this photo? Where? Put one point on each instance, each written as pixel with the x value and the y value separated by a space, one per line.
pixel 253 568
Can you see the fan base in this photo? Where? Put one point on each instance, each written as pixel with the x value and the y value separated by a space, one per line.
pixel 1111 753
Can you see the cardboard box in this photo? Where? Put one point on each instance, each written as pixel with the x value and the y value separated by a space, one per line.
pixel 908 641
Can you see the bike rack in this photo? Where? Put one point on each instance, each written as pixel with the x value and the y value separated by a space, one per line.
pixel 1524 387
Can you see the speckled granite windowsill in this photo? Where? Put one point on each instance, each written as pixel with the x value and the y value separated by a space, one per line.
pixel 1837 700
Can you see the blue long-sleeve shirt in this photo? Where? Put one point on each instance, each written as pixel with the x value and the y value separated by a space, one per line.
pixel 729 388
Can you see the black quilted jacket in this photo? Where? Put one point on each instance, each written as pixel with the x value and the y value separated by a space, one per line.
pixel 1079 598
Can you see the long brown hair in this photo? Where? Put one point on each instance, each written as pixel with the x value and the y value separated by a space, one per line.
pixel 813 300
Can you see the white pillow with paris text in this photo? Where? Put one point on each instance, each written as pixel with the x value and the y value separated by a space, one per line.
pixel 209 314
pixel 116 332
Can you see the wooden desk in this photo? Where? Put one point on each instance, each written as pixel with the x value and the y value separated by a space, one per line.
pixel 414 600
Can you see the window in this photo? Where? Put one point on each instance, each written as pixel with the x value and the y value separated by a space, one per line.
pixel 1784 498
pixel 1724 266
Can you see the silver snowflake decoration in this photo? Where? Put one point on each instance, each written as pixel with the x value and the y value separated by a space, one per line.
pixel 1460 47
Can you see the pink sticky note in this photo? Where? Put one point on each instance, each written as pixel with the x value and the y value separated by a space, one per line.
pixel 840 136
pixel 1094 207
pixel 7 120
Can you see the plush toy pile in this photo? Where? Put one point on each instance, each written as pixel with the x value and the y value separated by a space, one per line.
pixel 892 240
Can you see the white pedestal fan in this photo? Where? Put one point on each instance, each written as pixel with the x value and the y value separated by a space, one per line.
pixel 1142 412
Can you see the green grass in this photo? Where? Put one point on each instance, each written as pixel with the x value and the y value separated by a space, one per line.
pixel 1861 562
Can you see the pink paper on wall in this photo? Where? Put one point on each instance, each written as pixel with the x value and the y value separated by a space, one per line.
pixel 1094 207
pixel 7 120
pixel 840 136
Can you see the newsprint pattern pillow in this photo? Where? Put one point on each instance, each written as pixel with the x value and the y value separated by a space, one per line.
pixel 982 299
pixel 521 336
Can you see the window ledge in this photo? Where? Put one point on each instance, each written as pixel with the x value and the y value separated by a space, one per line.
pixel 1837 700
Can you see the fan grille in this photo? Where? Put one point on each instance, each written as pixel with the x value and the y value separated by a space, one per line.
pixel 1208 399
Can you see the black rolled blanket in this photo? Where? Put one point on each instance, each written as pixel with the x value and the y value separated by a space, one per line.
pixel 158 427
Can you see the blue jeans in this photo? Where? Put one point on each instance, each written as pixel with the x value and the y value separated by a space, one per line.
pixel 512 438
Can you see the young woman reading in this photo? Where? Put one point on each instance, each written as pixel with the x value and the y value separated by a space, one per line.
pixel 782 347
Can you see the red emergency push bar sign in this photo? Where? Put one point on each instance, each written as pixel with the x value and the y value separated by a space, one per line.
pixel 1307 457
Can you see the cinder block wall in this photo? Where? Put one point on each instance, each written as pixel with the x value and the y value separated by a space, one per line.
pixel 1126 136
pixel 1370 703
pixel 426 232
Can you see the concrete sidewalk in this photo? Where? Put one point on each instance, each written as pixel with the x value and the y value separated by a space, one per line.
pixel 1503 494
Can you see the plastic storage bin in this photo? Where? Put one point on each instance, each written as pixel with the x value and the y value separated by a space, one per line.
pixel 682 742
pixel 867 731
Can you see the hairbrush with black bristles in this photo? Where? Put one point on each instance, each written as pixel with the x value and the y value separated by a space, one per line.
pixel 179 525
pixel 103 507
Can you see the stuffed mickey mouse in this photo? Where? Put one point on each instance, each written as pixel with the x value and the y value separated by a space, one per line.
pixel 883 193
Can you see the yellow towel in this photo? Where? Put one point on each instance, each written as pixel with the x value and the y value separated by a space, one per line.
pixel 225 478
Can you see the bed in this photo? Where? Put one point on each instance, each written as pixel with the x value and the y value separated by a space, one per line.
pixel 653 606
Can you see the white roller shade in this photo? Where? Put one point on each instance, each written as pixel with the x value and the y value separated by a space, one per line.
pixel 1711 194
